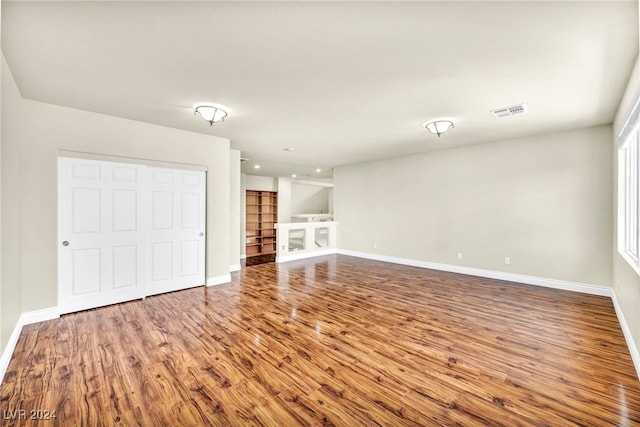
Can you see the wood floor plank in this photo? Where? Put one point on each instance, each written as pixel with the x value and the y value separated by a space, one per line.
pixel 334 340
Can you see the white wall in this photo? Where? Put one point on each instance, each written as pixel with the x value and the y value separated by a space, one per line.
pixel 59 128
pixel 626 282
pixel 11 245
pixel 307 198
pixel 544 201
pixel 235 220
pixel 330 200
pixel 260 183
pixel 243 215
pixel 284 200
pixel 3 341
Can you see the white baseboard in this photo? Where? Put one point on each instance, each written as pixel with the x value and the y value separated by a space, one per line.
pixel 219 280
pixel 234 267
pixel 302 255
pixel 42 315
pixel 633 348
pixel 491 274
pixel 26 318
pixel 8 350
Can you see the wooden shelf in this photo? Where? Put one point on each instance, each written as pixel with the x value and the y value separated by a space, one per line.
pixel 261 253
pixel 261 217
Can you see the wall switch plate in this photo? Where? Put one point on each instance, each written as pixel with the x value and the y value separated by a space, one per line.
pixel 507 260
pixel 375 246
pixel 459 255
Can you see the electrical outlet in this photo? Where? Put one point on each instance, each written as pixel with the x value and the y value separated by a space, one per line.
pixel 507 260
pixel 459 255
pixel 375 246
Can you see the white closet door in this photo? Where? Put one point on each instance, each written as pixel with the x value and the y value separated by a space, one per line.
pixel 101 241
pixel 127 231
pixel 176 242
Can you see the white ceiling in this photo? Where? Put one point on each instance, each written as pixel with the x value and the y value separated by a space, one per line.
pixel 341 82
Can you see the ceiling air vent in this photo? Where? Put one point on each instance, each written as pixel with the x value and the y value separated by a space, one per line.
pixel 509 111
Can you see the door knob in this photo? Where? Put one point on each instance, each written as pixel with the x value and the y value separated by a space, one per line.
pixel 201 234
pixel 65 243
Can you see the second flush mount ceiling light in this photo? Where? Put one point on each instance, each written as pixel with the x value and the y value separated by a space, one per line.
pixel 438 126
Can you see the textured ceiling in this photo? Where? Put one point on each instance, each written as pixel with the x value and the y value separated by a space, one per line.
pixel 341 82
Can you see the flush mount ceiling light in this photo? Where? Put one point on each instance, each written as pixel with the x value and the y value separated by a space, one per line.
pixel 438 126
pixel 212 113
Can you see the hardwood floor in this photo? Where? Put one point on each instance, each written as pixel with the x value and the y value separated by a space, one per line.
pixel 331 341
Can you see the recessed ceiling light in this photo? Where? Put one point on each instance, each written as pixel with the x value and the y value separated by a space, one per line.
pixel 256 166
pixel 293 175
pixel 289 149
pixel 318 170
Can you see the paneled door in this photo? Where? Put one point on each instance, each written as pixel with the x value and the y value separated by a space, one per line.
pixel 176 244
pixel 127 231
pixel 101 247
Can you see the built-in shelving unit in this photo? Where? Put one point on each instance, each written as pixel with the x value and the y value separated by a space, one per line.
pixel 262 216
